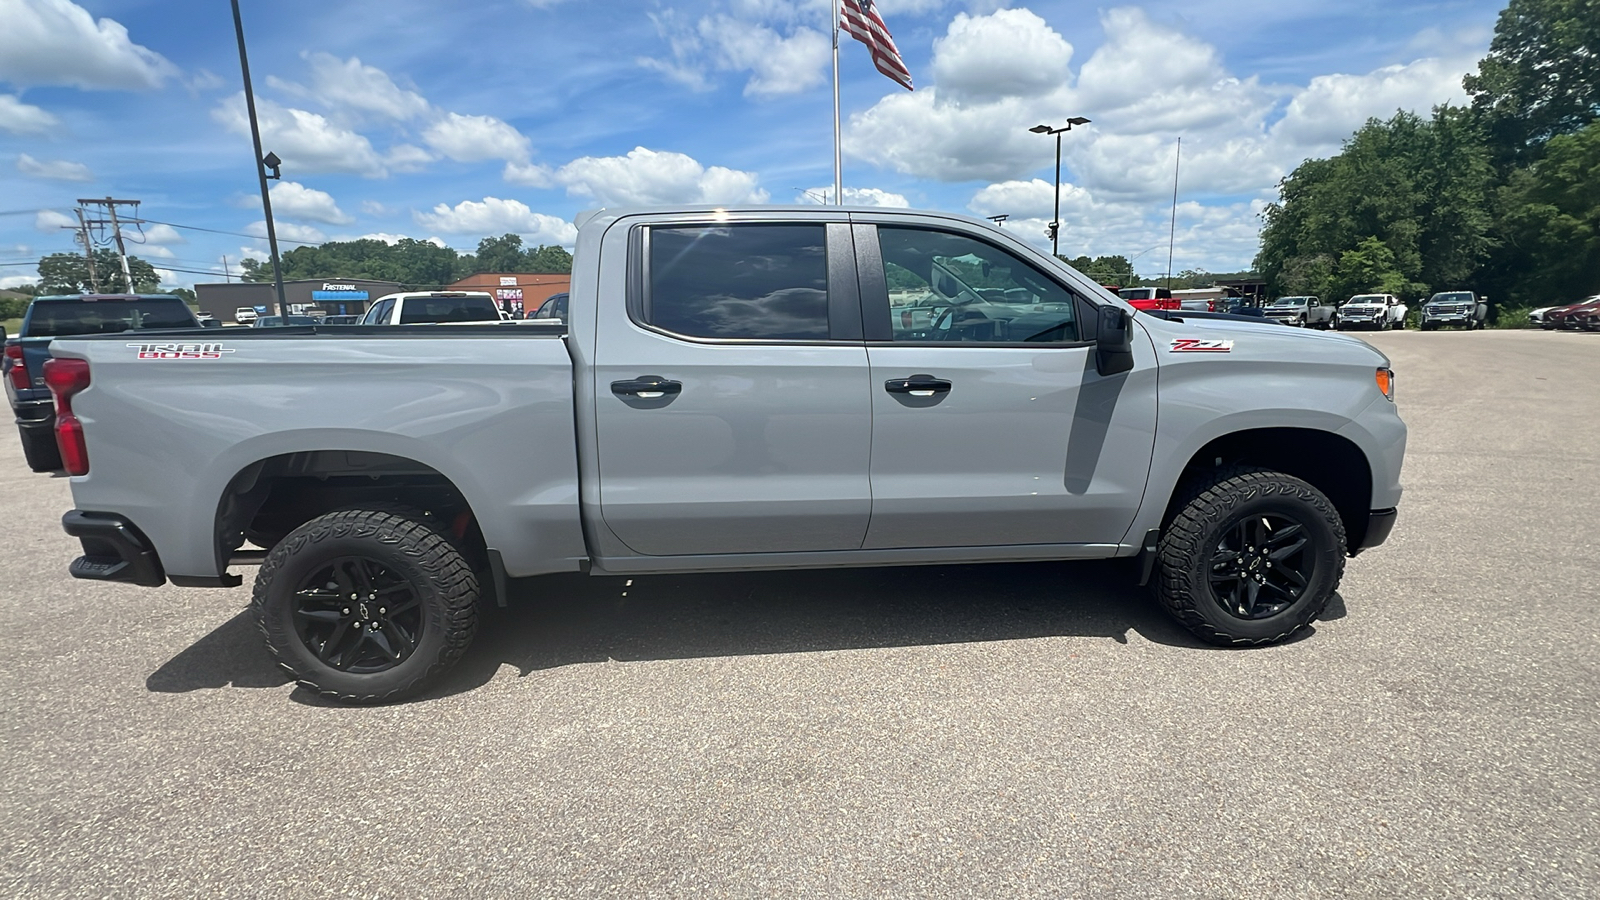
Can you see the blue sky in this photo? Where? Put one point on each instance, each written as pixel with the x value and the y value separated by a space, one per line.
pixel 457 121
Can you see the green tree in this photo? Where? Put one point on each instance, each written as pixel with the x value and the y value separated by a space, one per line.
pixel 68 273
pixel 1371 268
pixel 501 254
pixel 1551 220
pixel 1542 75
pixel 551 260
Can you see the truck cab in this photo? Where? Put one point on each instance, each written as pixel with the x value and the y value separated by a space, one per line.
pixel 433 308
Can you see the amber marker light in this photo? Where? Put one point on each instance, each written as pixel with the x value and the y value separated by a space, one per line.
pixel 1386 383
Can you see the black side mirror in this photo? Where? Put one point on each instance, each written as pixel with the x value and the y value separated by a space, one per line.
pixel 1113 346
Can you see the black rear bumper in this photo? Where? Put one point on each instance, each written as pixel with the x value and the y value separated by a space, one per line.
pixel 1379 523
pixel 114 549
pixel 35 415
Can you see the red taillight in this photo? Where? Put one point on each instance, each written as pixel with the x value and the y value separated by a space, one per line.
pixel 66 377
pixel 17 370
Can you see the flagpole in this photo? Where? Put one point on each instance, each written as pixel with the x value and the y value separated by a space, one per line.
pixel 838 157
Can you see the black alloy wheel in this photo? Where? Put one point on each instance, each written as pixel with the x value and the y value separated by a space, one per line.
pixel 1260 567
pixel 357 616
pixel 1250 557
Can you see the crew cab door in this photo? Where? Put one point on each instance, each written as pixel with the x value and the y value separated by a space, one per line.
pixel 991 425
pixel 731 399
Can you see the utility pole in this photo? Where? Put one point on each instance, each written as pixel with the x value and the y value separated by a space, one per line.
pixel 226 272
pixel 88 250
pixel 116 231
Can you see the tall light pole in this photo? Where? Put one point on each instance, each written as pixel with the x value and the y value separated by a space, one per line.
pixel 1055 224
pixel 262 164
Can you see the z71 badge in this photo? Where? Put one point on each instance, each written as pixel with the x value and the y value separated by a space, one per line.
pixel 1198 345
pixel 181 351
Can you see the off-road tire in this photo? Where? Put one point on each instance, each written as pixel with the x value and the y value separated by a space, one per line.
pixel 428 562
pixel 1209 510
pixel 40 450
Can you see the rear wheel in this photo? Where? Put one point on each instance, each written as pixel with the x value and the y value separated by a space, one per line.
pixel 40 450
pixel 366 605
pixel 1251 558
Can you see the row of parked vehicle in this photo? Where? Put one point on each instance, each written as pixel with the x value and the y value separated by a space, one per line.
pixel 1581 316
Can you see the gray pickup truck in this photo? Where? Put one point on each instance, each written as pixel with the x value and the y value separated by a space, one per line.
pixel 1464 308
pixel 1302 312
pixel 734 391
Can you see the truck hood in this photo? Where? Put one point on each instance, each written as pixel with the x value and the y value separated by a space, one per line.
pixel 1228 339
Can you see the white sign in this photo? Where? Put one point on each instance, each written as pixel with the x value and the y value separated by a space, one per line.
pixel 338 287
pixel 508 281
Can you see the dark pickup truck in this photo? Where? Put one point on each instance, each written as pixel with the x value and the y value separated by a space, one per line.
pixel 51 317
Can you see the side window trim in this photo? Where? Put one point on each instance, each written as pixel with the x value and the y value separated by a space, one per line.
pixel 844 301
pixel 878 326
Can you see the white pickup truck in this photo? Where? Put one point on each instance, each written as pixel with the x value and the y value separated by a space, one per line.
pixel 734 391
pixel 433 308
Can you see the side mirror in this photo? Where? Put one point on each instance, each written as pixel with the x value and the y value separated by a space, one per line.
pixel 1113 345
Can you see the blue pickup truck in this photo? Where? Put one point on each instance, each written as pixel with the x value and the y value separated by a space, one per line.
pixel 58 316
pixel 735 389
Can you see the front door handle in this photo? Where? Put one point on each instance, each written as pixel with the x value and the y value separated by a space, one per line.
pixel 917 386
pixel 647 387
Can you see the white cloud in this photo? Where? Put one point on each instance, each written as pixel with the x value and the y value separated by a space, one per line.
pixel 475 138
pixel 56 42
pixel 305 141
pixel 293 200
pixel 352 85
pixel 155 251
pixel 24 118
pixel 392 239
pixel 823 196
pixel 287 231
pixel 53 169
pixel 528 174
pixel 50 221
pixel 1332 106
pixel 495 216
pixel 1012 53
pixel 374 208
pixel 651 177
pixel 161 234
pixel 778 63
pixel 407 158
pixel 10 281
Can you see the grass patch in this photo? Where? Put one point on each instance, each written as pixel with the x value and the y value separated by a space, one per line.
pixel 1516 317
pixel 12 326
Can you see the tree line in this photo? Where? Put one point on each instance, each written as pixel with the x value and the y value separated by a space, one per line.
pixel 414 264
pixel 1501 196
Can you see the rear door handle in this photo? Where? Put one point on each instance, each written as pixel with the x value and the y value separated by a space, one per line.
pixel 646 387
pixel 917 386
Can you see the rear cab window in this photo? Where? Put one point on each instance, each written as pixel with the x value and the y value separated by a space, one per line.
pixel 428 310
pixel 745 281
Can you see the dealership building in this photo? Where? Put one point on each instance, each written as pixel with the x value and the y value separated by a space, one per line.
pixel 336 297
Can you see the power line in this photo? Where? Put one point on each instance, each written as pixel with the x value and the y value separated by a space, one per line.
pixel 218 231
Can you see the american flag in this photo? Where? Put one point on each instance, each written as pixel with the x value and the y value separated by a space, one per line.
pixel 860 19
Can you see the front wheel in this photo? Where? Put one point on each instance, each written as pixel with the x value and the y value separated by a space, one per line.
pixel 1335 324
pixel 366 605
pixel 1251 558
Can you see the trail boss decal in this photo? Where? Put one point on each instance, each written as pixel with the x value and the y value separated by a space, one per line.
pixel 181 351
pixel 1199 345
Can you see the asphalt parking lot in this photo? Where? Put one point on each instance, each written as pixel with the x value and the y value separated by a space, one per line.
pixel 986 731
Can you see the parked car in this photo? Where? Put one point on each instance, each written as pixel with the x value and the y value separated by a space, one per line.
pixel 1536 316
pixel 245 315
pixel 716 402
pixel 554 307
pixel 1149 298
pixel 1463 308
pixel 433 308
pixel 51 317
pixel 1376 311
pixel 1301 312
pixel 1571 318
pixel 274 321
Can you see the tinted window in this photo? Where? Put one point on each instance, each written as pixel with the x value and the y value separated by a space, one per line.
pixel 949 287
pixel 52 319
pixel 425 310
pixel 379 315
pixel 767 282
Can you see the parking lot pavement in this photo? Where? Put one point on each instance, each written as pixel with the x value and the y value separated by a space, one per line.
pixel 985 731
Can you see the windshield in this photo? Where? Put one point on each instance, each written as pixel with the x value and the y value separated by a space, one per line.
pixel 1455 297
pixel 1367 298
pixel 58 318
pixel 1289 301
pixel 425 310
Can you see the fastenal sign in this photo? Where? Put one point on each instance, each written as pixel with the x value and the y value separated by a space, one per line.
pixel 333 290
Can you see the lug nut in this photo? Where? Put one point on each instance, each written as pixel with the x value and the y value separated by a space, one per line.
pixel 346 611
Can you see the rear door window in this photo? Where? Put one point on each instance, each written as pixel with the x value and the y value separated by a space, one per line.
pixel 741 281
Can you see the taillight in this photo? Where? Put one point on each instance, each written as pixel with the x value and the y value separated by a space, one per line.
pixel 65 378
pixel 17 370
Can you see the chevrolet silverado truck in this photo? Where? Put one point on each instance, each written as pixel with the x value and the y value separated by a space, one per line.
pixel 732 392
pixel 53 316
pixel 1300 312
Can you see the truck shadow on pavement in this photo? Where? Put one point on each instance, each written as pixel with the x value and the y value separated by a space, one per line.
pixel 567 619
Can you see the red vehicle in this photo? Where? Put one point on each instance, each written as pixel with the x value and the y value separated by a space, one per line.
pixel 1149 298
pixel 1574 317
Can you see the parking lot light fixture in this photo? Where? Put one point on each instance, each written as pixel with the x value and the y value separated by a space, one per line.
pixel 1054 231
